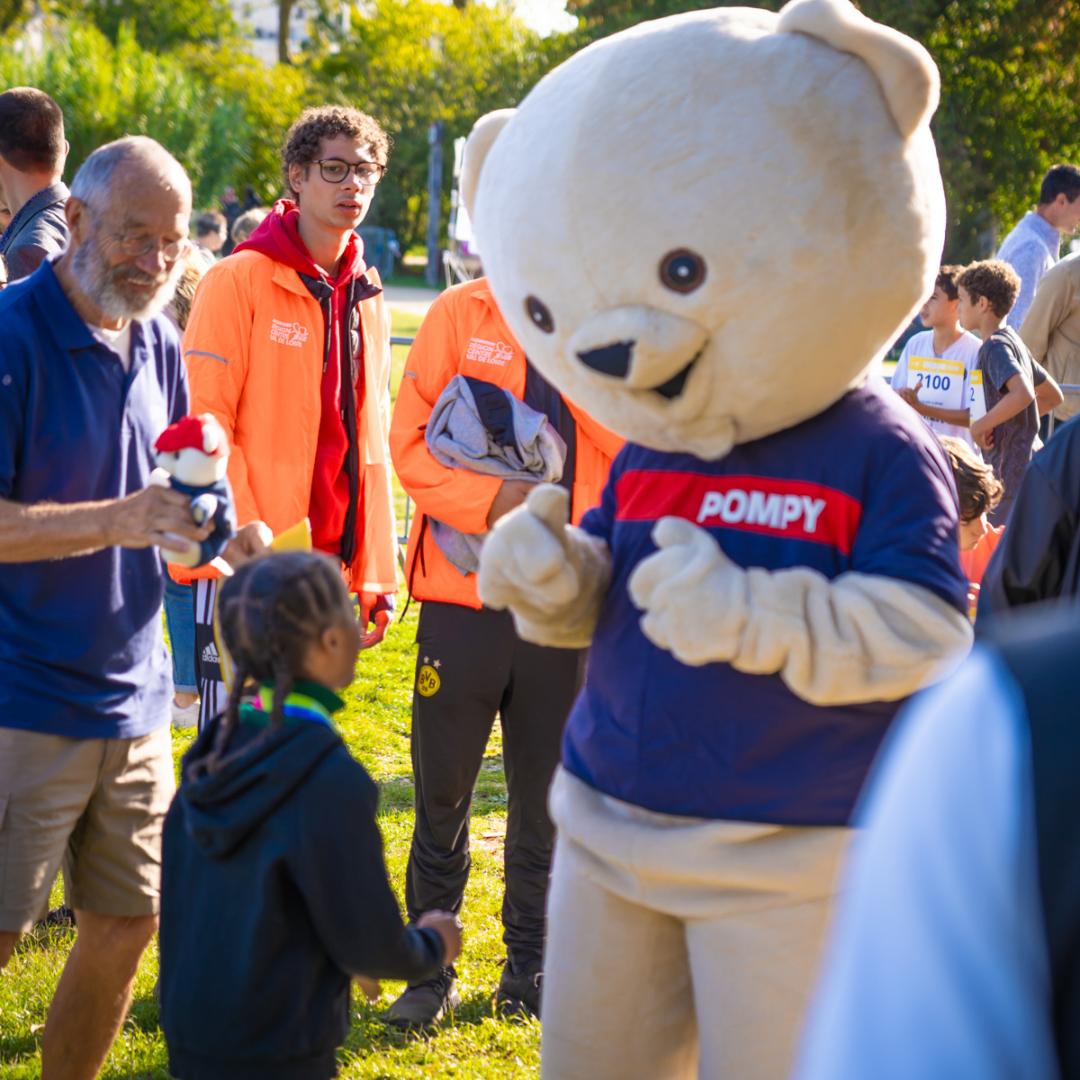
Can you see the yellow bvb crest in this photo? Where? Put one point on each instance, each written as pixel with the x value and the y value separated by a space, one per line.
pixel 427 681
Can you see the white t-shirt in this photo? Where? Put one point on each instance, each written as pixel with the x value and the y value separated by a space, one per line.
pixel 117 340
pixel 919 354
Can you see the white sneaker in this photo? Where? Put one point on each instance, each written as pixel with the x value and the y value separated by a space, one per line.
pixel 186 717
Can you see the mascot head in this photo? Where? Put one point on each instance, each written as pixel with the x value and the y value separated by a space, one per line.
pixel 707 228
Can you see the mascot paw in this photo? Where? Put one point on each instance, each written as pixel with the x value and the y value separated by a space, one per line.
pixel 524 561
pixel 693 595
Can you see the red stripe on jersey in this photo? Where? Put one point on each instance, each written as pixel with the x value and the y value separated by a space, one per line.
pixel 794 509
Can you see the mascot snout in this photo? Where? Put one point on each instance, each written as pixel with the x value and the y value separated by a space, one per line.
pixel 643 347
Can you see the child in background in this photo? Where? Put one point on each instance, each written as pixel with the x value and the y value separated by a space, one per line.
pixel 942 340
pixel 1018 390
pixel 246 224
pixel 274 889
pixel 979 491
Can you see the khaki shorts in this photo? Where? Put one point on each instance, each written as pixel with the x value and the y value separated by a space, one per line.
pixel 95 805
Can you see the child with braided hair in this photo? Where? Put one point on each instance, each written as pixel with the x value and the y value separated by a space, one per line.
pixel 274 888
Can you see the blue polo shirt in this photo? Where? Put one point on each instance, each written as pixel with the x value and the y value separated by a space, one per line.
pixel 863 487
pixel 81 648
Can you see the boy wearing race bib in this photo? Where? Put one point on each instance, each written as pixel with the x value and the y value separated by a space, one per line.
pixel 1017 387
pixel 933 374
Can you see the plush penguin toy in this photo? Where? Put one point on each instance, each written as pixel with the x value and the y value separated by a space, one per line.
pixel 194 453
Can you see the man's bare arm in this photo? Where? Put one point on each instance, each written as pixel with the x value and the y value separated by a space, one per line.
pixel 31 533
pixel 959 417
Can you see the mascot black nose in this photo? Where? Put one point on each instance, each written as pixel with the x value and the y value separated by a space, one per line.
pixel 609 359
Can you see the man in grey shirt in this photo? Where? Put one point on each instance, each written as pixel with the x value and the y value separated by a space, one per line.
pixel 1032 247
pixel 32 155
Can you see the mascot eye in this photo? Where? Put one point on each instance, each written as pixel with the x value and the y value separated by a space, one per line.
pixel 682 270
pixel 540 315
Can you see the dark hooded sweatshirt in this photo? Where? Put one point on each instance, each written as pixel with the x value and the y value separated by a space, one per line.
pixel 273 893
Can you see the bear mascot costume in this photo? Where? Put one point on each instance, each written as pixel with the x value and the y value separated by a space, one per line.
pixel 705 231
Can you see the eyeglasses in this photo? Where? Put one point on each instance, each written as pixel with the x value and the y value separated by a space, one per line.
pixel 334 171
pixel 136 246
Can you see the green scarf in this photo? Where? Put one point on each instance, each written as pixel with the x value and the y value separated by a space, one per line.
pixel 307 701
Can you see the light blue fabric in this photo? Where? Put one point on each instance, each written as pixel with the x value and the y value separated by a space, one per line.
pixel 1030 249
pixel 458 438
pixel 937 966
pixel 180 619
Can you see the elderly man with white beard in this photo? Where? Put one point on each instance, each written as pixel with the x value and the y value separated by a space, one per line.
pixel 90 374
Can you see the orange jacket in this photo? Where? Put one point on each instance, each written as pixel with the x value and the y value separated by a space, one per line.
pixel 254 352
pixel 464 333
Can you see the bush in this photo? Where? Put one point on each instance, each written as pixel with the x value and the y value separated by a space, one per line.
pixel 223 120
pixel 412 62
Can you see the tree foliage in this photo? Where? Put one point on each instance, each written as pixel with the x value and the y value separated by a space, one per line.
pixel 1010 73
pixel 413 62
pixel 11 13
pixel 271 98
pixel 1010 76
pixel 216 127
pixel 158 25
pixel 599 18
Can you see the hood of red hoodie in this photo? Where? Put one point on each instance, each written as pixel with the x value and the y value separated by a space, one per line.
pixel 278 236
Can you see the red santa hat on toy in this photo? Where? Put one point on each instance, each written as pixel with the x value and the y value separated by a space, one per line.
pixel 201 433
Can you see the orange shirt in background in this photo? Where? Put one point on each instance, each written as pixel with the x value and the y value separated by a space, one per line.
pixel 975 562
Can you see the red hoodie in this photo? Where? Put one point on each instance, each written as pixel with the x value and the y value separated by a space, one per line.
pixel 279 237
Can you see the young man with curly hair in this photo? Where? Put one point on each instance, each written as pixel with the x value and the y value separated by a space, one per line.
pixel 1018 390
pixel 288 345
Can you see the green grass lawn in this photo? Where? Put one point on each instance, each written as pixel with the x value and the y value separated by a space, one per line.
pixel 375 726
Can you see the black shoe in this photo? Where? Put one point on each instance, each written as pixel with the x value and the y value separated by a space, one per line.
pixel 426 1003
pixel 61 918
pixel 519 990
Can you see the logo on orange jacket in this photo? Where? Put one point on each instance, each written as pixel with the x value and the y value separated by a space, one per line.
pixel 489 352
pixel 288 333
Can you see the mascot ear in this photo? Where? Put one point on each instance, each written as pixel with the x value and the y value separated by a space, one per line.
pixel 483 135
pixel 902 66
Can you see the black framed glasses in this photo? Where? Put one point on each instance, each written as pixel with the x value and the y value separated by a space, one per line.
pixel 334 171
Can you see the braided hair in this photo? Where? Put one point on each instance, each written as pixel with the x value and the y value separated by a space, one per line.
pixel 270 611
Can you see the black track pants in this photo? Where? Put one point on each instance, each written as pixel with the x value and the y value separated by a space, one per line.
pixel 213 697
pixel 471 665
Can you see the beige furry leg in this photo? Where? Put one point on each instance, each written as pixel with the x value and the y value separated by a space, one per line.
pixel 617 1002
pixel 754 968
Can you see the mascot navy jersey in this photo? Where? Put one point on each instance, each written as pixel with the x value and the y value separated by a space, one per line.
pixel 860 488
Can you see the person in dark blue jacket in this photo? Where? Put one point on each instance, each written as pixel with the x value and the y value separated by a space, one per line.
pixel 274 888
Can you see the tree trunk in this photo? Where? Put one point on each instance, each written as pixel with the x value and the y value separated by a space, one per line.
pixel 284 12
pixel 11 11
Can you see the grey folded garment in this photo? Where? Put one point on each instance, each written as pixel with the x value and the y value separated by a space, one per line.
pixel 478 426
